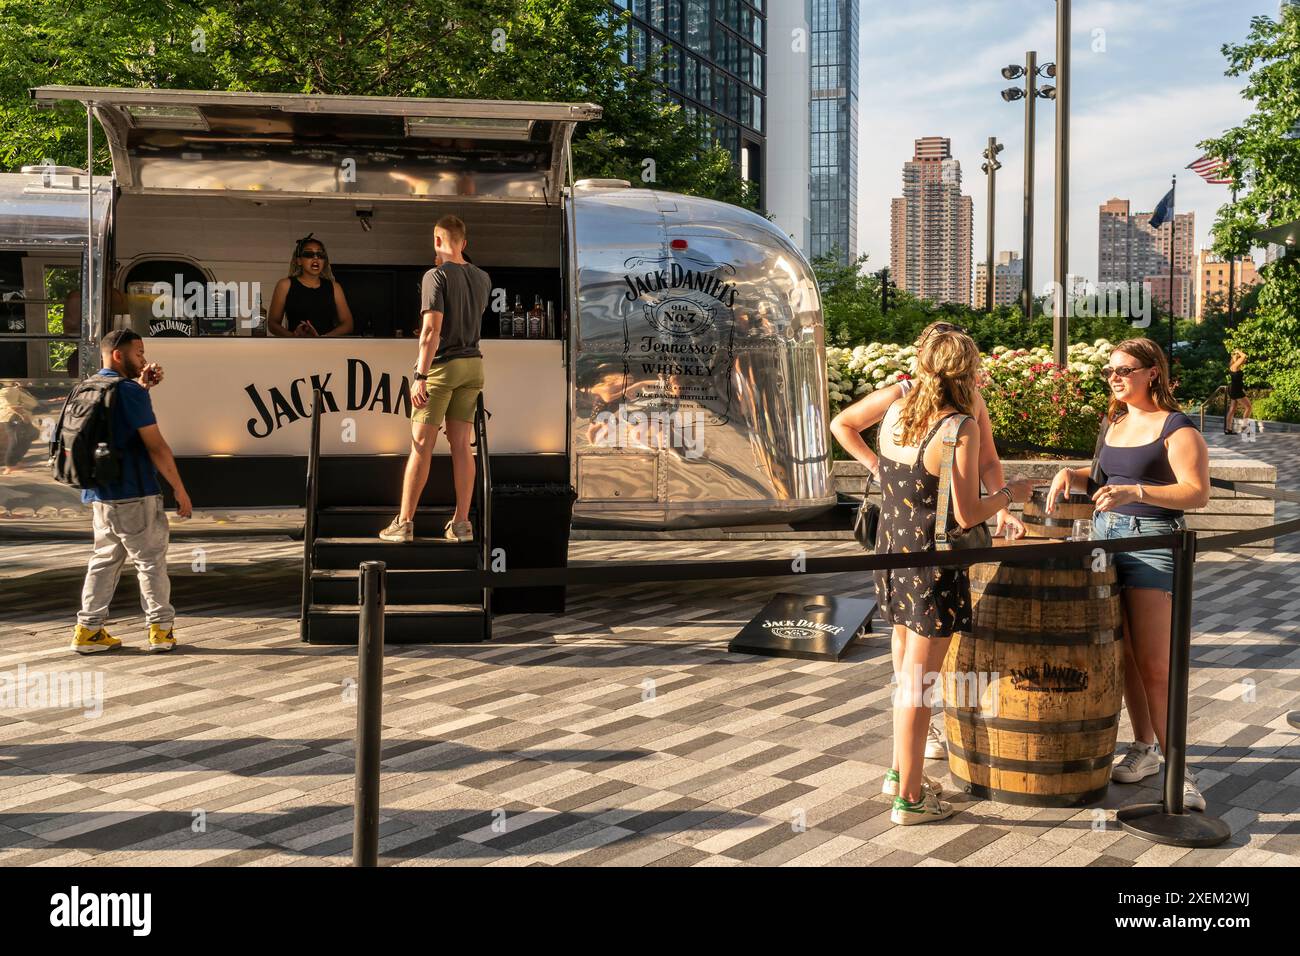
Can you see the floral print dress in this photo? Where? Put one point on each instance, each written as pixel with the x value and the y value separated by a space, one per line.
pixel 932 602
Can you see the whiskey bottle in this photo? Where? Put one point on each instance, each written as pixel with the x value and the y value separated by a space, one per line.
pixel 535 318
pixel 519 321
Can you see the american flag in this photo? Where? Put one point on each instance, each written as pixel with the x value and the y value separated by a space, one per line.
pixel 1211 170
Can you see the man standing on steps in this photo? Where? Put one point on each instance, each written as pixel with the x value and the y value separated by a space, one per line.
pixel 448 378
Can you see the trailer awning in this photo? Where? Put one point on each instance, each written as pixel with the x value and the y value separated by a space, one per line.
pixel 349 147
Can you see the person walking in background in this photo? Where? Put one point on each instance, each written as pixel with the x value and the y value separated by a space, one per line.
pixel 926 606
pixel 1237 397
pixel 448 379
pixel 1156 466
pixel 17 427
pixel 129 519
pixel 851 422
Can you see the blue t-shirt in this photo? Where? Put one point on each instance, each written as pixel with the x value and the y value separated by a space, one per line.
pixel 132 411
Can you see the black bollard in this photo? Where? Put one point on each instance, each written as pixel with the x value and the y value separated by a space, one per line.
pixel 370 690
pixel 1169 822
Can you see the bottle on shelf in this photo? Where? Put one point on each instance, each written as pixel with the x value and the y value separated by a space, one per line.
pixel 519 320
pixel 505 322
pixel 535 318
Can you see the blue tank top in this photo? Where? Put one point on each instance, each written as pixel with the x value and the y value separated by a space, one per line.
pixel 1146 464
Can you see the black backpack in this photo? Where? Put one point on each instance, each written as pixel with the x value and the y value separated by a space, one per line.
pixel 82 453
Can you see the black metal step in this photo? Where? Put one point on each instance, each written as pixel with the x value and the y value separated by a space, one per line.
pixel 362 521
pixel 403 624
pixel 340 586
pixel 422 554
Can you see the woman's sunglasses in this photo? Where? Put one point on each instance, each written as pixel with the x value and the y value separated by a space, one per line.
pixel 1121 371
pixel 942 327
pixel 312 254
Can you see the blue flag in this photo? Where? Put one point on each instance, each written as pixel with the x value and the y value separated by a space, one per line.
pixel 1164 212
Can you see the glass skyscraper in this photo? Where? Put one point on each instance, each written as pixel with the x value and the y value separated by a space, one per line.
pixel 713 65
pixel 834 127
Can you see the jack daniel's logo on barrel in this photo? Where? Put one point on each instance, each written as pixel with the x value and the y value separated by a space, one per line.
pixel 1049 678
pixel 800 630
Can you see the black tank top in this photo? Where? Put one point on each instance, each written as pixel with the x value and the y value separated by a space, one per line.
pixel 305 304
pixel 1147 464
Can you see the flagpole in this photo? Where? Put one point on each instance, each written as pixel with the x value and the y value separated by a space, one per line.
pixel 1173 236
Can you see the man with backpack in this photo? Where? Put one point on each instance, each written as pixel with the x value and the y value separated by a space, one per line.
pixel 109 445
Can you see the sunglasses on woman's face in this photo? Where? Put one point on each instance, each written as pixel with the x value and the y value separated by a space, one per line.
pixel 1121 371
pixel 312 254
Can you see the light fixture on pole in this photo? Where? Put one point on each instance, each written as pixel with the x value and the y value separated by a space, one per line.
pixel 1031 71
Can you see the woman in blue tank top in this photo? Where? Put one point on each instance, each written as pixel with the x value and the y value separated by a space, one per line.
pixel 1154 466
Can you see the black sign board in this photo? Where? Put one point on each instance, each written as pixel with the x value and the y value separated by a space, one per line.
pixel 817 627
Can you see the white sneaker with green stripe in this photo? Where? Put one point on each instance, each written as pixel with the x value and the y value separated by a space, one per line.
pixel 929 809
pixel 890 787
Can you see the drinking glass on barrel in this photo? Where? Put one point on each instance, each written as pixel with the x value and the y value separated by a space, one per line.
pixel 1081 530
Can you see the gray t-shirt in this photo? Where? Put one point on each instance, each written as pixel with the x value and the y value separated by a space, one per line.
pixel 460 293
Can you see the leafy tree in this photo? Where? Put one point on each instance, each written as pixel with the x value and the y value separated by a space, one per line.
pixel 565 50
pixel 1263 154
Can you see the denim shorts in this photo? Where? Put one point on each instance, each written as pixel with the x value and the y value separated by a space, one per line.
pixel 1139 569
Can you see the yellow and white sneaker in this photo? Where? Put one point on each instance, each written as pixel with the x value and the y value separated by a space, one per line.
pixel 160 640
pixel 87 640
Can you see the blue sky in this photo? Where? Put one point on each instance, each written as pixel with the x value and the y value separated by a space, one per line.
pixel 1140 102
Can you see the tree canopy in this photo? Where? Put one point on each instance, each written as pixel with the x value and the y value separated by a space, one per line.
pixel 563 50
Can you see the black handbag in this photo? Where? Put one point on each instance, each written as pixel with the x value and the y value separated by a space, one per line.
pixel 866 526
pixel 945 540
pixel 1097 477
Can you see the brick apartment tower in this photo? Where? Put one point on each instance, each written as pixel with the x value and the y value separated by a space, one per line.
pixel 932 226
pixel 1129 250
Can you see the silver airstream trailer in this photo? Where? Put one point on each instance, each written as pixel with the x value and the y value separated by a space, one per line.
pixel 679 382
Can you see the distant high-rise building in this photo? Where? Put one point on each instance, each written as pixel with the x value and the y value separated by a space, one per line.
pixel 1212 280
pixel 789 143
pixel 1008 279
pixel 834 125
pixel 1129 250
pixel 711 55
pixel 931 226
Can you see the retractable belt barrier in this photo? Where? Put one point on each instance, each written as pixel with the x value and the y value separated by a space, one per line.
pixel 1165 822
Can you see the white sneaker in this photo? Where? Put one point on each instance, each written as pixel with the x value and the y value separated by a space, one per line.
pixel 891 784
pixel 1138 763
pixel 1192 798
pixel 934 747
pixel 399 531
pixel 929 809
pixel 461 531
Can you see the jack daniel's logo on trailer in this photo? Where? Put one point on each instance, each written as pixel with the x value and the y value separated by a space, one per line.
pixel 679 332
pixel 286 404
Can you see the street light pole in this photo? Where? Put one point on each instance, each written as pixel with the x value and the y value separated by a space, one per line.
pixel 1030 71
pixel 1031 99
pixel 1061 321
pixel 990 167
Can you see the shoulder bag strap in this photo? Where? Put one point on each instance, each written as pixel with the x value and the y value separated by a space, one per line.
pixel 945 481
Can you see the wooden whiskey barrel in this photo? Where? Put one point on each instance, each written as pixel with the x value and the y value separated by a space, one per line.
pixel 1039 524
pixel 1045 651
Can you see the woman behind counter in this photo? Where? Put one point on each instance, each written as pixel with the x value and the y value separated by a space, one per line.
pixel 308 302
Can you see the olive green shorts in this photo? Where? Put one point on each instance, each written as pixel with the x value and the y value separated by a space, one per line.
pixel 453 387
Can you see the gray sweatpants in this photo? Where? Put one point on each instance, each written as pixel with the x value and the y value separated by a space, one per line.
pixel 134 528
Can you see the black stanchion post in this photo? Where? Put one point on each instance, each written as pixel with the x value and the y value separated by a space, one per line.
pixel 1169 822
pixel 370 688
